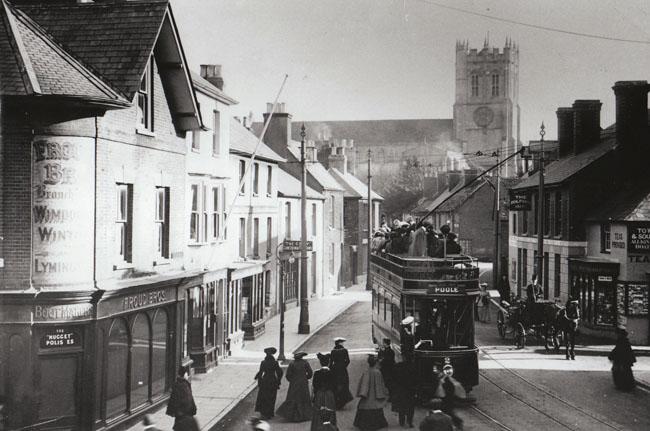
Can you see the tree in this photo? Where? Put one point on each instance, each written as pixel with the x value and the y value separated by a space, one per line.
pixel 406 189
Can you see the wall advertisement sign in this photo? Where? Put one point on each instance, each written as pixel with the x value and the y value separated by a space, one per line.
pixel 62 337
pixel 62 209
pixel 519 201
pixel 638 238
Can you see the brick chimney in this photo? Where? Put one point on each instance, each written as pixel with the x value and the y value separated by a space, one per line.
pixel 337 159
pixel 212 74
pixel 565 130
pixel 632 135
pixel 278 134
pixel 586 124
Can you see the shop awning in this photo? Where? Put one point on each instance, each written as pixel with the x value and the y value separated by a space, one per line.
pixel 239 270
pixel 594 265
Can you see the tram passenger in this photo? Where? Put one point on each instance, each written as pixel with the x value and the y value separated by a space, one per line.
pixel 418 246
pixel 432 239
pixel 448 245
pixel 378 242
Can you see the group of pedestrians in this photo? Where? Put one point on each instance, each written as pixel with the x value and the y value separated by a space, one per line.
pixel 418 240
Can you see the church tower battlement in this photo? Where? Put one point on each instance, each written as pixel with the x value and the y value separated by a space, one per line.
pixel 486 108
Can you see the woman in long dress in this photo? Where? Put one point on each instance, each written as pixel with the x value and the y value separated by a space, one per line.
pixel 268 382
pixel 373 394
pixel 181 404
pixel 297 406
pixel 340 359
pixel 324 409
pixel 622 358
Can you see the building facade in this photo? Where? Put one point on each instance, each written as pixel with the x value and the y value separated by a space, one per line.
pixel 93 290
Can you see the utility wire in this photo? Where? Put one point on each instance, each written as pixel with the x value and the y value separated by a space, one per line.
pixel 536 26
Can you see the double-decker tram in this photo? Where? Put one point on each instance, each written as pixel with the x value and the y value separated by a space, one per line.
pixel 425 306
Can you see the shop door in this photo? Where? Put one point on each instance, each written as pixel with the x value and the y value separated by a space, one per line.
pixel 60 390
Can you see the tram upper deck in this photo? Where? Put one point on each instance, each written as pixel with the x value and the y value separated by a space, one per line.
pixel 453 274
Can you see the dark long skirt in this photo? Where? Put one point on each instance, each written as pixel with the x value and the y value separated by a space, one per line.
pixel 185 423
pixel 323 399
pixel 342 392
pixel 265 403
pixel 297 406
pixel 623 377
pixel 370 420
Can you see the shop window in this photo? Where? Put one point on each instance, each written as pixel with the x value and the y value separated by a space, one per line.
pixel 162 221
pixel 58 384
pixel 269 180
pixel 216 130
pixel 145 99
pixel 256 179
pixel 117 368
pixel 140 360
pixel 124 222
pixel 159 353
pixel 605 238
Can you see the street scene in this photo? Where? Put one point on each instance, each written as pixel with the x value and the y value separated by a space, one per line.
pixel 302 215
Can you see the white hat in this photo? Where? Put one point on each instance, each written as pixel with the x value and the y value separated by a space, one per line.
pixel 340 339
pixel 408 320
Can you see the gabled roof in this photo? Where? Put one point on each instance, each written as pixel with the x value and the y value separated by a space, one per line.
pixel 243 142
pixel 378 132
pixel 317 170
pixel 562 170
pixel 429 205
pixel 30 57
pixel 289 187
pixel 629 205
pixel 353 187
pixel 114 40
pixel 206 87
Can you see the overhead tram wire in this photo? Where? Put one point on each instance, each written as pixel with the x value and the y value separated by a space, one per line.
pixel 249 165
pixel 536 26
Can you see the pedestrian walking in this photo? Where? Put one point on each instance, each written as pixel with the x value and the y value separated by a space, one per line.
pixel 181 404
pixel 386 358
pixel 571 316
pixel 324 383
pixel 297 406
pixel 485 303
pixel 623 359
pixel 403 392
pixel 268 382
pixel 373 394
pixel 436 420
pixel 339 361
pixel 447 393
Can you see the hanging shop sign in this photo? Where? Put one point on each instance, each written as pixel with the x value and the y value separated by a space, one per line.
pixel 638 238
pixel 519 201
pixel 288 245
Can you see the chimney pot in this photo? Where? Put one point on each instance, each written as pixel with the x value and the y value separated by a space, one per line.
pixel 269 108
pixel 212 74
pixel 632 134
pixel 586 124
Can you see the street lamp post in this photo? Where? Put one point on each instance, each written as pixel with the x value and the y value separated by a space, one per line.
pixel 303 324
pixel 281 283
pixel 540 210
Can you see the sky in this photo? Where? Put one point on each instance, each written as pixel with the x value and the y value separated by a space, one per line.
pixel 394 59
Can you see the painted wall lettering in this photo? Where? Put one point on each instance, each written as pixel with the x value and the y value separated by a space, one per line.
pixel 63 312
pixel 143 299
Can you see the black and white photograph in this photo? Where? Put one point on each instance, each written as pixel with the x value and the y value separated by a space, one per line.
pixel 306 215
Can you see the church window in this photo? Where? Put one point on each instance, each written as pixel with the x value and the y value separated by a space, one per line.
pixel 495 84
pixel 474 85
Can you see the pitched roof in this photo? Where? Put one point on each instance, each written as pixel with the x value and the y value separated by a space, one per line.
pixel 561 170
pixel 317 170
pixel 353 187
pixel 244 142
pixel 33 64
pixel 378 132
pixel 629 205
pixel 206 87
pixel 428 205
pixel 114 39
pixel 289 187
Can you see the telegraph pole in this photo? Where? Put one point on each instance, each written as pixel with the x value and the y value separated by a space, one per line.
pixel 303 325
pixel 540 210
pixel 496 265
pixel 368 281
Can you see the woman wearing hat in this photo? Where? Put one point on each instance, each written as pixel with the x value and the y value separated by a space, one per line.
pixel 622 358
pixel 181 404
pixel 297 406
pixel 268 382
pixel 339 365
pixel 373 394
pixel 324 409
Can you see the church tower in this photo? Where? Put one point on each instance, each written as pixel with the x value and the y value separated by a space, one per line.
pixel 486 111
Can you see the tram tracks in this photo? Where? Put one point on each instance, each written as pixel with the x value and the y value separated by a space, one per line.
pixel 580 417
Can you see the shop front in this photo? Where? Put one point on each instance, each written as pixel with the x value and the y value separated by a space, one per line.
pixel 594 285
pixel 249 282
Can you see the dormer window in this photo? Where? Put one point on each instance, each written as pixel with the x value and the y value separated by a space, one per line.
pixel 145 99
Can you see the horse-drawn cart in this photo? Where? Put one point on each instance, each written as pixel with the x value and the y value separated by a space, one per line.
pixel 540 319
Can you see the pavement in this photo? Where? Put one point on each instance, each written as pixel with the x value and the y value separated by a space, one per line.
pixel 220 390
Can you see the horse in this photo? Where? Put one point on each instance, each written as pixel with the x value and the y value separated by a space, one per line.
pixel 568 325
